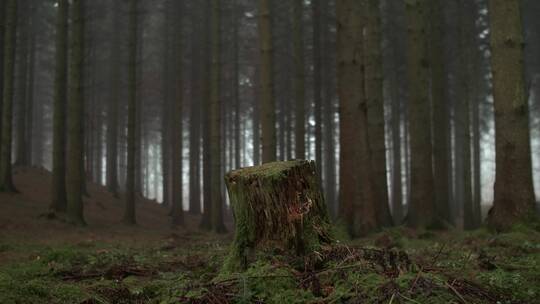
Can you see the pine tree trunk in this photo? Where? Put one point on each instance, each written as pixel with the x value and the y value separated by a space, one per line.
pixel 514 194
pixel 22 84
pixel 129 212
pixel 299 81
pixel 177 213
pixel 268 104
pixel 317 81
pixel 276 205
pixel 59 202
pixel 195 122
pixel 215 120
pixel 31 81
pixel 206 221
pixel 75 174
pixel 2 48
pixel 112 113
pixel 441 117
pixel 329 112
pixel 422 196
pixel 375 109
pixel 357 190
pixel 10 45
pixel 237 15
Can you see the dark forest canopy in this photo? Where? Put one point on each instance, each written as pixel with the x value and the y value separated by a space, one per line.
pixel 418 112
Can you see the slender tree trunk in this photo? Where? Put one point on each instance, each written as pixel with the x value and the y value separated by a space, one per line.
pixel 397 181
pixel 112 113
pixel 195 123
pixel 514 194
pixel 31 81
pixel 357 191
pixel 421 205
pixel 129 212
pixel 375 109
pixel 10 45
pixel 75 174
pixel 206 222
pixel 317 82
pixel 441 117
pixel 177 213
pixel 257 118
pixel 215 120
pixel 59 203
pixel 2 48
pixel 329 110
pixel 166 108
pixel 268 104
pixel 237 15
pixel 22 85
pixel 299 78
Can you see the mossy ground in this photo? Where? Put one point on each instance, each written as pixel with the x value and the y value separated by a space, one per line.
pixel 394 266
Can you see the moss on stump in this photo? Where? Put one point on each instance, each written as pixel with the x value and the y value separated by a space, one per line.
pixel 277 206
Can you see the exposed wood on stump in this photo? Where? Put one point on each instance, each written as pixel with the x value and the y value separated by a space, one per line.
pixel 277 205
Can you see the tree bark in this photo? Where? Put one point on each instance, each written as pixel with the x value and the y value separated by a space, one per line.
pixel 75 174
pixel 22 84
pixel 514 194
pixel 215 120
pixel 357 190
pixel 59 200
pixel 177 214
pixel 375 109
pixel 268 104
pixel 6 178
pixel 129 212
pixel 195 122
pixel 112 113
pixel 299 78
pixel 276 205
pixel 422 196
pixel 441 125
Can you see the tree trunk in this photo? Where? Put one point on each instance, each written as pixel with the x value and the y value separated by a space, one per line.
pixel 2 48
pixel 514 194
pixel 299 78
pixel 317 81
pixel 59 203
pixel 329 111
pixel 215 120
pixel 75 174
pixel 6 179
pixel 441 118
pixel 277 205
pixel 375 109
pixel 22 84
pixel 268 105
pixel 177 214
pixel 29 120
pixel 195 122
pixel 206 222
pixel 237 19
pixel 112 113
pixel 422 204
pixel 357 190
pixel 129 212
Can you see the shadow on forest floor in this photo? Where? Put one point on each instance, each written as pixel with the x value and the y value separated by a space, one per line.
pixel 48 262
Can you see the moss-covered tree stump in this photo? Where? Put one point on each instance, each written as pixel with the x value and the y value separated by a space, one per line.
pixel 277 206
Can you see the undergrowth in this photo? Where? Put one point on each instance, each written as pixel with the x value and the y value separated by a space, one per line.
pixel 394 266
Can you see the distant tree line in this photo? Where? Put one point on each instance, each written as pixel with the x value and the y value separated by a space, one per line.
pixel 397 101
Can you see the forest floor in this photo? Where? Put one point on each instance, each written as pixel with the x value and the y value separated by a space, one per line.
pixel 44 261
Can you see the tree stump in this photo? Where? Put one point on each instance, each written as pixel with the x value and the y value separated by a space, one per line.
pixel 277 206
